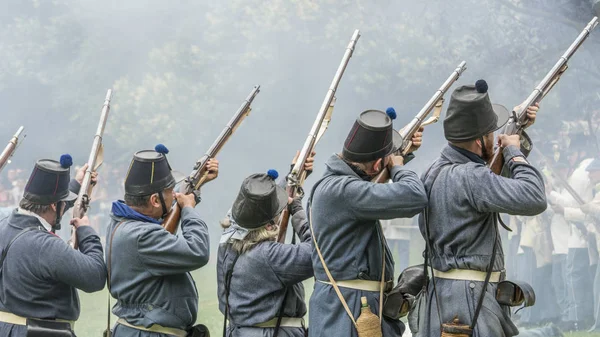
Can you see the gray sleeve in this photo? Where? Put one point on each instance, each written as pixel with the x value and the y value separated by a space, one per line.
pixel 521 194
pixel 291 263
pixel 83 269
pixel 403 198
pixel 301 227
pixel 74 186
pixel 166 254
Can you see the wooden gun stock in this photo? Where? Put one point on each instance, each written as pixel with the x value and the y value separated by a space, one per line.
pixel 283 224
pixel 171 221
pixel 497 162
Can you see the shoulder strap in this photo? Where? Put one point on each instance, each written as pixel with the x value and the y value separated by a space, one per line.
pixel 331 280
pixel 5 251
pixel 227 289
pixel 382 282
pixel 329 276
pixel 112 235
pixel 489 273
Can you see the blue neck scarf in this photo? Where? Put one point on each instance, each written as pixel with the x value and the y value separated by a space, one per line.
pixel 120 209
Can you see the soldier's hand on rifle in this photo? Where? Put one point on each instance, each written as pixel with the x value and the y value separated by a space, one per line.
pixel 308 164
pixel 76 222
pixel 212 167
pixel 81 172
pixel 506 141
pixel 417 140
pixel 186 200
pixel 531 113
pixel 395 161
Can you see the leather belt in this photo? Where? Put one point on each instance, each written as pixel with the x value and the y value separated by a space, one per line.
pixel 467 275
pixel 286 322
pixel 10 318
pixel 155 328
pixel 363 285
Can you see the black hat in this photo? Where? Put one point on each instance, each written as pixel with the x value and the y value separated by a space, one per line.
pixel 149 172
pixel 372 137
pixel 259 201
pixel 471 114
pixel 49 182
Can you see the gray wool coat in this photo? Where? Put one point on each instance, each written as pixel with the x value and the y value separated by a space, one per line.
pixel 41 273
pixel 463 200
pixel 261 278
pixel 149 272
pixel 345 216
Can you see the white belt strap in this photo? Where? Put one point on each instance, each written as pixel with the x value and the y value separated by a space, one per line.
pixel 11 318
pixel 155 328
pixel 363 285
pixel 286 322
pixel 467 275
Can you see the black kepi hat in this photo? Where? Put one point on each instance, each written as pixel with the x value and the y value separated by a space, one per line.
pixel 149 172
pixel 471 114
pixel 49 182
pixel 259 201
pixel 372 137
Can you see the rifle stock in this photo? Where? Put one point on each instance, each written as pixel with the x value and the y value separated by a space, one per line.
pixel 518 120
pixel 434 104
pixel 10 149
pixel 199 174
pixel 95 159
pixel 296 177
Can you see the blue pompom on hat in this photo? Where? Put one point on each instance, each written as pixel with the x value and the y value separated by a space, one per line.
pixel 66 160
pixel 160 148
pixel 481 86
pixel 391 112
pixel 273 174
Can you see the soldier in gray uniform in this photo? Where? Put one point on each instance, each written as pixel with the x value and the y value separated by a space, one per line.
pixel 464 200
pixel 148 267
pixel 259 279
pixel 40 273
pixel 345 211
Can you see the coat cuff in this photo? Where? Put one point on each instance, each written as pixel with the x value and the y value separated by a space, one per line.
pixel 511 152
pixel 85 232
pixel 74 186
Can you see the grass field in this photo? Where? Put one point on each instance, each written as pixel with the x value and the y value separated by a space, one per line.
pixel 93 307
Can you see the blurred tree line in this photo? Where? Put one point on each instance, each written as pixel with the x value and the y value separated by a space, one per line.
pixel 180 70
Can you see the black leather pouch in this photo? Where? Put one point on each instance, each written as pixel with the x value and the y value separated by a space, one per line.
pixel 515 293
pixel 399 300
pixel 48 328
pixel 199 330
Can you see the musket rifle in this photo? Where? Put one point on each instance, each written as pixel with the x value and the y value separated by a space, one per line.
pixel 197 178
pixel 82 204
pixel 517 122
pixel 295 179
pixel 434 104
pixel 10 149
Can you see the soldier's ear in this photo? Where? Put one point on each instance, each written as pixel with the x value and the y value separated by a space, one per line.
pixel 155 200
